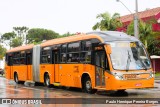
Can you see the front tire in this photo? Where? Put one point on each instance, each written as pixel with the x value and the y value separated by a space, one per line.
pixel 46 80
pixel 16 78
pixel 88 86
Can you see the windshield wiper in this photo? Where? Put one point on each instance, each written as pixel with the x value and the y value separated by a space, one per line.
pixel 128 62
pixel 143 64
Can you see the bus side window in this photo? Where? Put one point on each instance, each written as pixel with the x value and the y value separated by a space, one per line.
pixel 22 58
pixel 73 52
pixel 86 45
pixel 46 56
pixel 106 63
pixel 85 57
pixel 63 53
pixel 63 58
pixel 9 60
pixel 16 58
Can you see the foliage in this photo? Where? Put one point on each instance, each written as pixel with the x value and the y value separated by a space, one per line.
pixel 8 37
pixel 130 29
pixel 107 22
pixel 153 46
pixel 37 35
pixel 66 35
pixel 145 32
pixel 16 42
pixel 147 36
pixel 2 51
pixel 21 32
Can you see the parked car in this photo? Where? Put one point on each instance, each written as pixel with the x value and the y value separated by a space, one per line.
pixel 1 71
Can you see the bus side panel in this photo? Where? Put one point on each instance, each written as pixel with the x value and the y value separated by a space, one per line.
pixel 63 71
pixel 29 72
pixel 77 72
pixel 56 71
pixel 70 74
pixel 47 68
pixel 90 69
pixel 7 72
pixel 21 71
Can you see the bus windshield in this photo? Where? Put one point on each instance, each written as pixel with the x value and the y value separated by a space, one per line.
pixel 129 56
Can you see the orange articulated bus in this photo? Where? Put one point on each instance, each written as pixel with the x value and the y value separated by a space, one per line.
pixel 96 60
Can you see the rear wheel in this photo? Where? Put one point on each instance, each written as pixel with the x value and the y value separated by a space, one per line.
pixel 46 80
pixel 16 78
pixel 88 86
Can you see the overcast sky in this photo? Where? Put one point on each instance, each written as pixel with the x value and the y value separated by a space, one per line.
pixel 62 15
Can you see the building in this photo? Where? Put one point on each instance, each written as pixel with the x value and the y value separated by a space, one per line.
pixel 2 62
pixel 155 63
pixel 146 15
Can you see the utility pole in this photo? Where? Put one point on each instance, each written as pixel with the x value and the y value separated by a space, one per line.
pixel 135 17
pixel 136 27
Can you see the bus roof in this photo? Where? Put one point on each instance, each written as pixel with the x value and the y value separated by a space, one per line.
pixel 109 36
pixel 21 48
pixel 70 39
pixel 103 36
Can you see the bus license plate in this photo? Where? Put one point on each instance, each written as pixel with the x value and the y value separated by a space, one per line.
pixel 130 76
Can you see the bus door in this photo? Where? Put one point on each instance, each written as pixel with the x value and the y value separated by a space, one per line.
pixel 55 55
pixel 99 60
pixel 10 63
pixel 28 63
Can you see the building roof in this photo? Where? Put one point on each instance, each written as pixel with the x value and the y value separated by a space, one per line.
pixel 141 15
pixel 155 57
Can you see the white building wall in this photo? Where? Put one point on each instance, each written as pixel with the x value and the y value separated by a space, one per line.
pixel 2 62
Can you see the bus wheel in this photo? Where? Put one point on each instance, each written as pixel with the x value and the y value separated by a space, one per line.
pixel 46 80
pixel 88 86
pixel 16 78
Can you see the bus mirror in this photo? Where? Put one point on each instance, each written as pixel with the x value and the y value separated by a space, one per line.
pixel 108 49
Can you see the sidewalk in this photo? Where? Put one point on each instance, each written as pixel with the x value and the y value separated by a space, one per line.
pixel 157 83
pixel 157 78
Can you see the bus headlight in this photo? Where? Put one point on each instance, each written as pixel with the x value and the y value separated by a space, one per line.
pixel 151 74
pixel 119 77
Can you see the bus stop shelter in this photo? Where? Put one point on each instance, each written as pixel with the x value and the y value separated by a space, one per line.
pixel 155 63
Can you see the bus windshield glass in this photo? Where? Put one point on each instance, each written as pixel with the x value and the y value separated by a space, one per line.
pixel 129 56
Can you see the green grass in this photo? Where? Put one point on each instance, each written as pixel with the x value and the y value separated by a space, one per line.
pixel 157 74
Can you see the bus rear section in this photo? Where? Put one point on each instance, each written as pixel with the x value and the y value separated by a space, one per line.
pixel 18 64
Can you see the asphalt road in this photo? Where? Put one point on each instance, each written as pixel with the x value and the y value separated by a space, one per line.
pixel 18 93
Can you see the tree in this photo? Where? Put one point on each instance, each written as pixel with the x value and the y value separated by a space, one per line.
pixel 8 37
pixel 107 22
pixel 66 34
pixel 153 46
pixel 147 36
pixel 130 29
pixel 2 52
pixel 145 31
pixel 37 35
pixel 21 32
pixel 16 42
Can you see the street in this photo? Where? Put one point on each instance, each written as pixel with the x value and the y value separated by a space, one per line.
pixel 9 89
